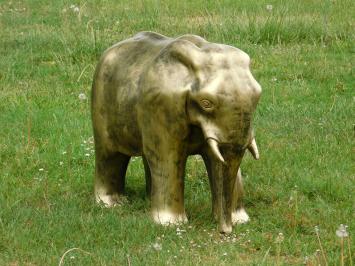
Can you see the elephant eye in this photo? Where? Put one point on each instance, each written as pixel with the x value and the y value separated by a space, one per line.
pixel 206 104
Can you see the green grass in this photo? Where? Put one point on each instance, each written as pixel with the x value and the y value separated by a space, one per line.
pixel 303 56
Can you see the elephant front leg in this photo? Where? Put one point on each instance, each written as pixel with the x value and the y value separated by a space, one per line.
pixel 167 185
pixel 239 215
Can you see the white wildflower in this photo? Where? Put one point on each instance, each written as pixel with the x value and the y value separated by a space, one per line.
pixel 64 152
pixel 157 246
pixel 342 232
pixel 87 154
pixel 82 97
pixel 41 169
pixel 269 8
pixel 75 8
pixel 61 163
pixel 279 238
pixel 180 230
pixel 305 261
pixel 225 254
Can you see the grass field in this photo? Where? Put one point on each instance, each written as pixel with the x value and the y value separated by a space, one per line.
pixel 303 56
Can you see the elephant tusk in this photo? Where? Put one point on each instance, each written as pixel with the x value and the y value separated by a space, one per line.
pixel 215 150
pixel 253 148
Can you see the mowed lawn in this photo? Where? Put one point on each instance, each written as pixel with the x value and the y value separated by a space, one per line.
pixel 297 194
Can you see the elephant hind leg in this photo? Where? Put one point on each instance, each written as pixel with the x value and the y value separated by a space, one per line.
pixel 239 215
pixel 110 178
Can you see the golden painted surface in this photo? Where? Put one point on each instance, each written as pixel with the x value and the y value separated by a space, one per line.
pixel 165 99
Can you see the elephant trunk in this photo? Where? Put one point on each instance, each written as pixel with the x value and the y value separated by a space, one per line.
pixel 224 209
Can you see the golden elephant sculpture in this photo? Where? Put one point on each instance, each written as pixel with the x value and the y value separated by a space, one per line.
pixel 165 99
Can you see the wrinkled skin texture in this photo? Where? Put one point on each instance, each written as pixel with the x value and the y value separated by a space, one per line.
pixel 165 99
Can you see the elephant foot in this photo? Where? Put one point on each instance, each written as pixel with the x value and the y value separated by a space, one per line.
pixel 225 229
pixel 240 216
pixel 168 217
pixel 109 200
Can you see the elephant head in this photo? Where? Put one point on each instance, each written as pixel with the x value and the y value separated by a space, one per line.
pixel 221 94
pixel 223 108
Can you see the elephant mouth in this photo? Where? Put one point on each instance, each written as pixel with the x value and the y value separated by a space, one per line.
pixel 214 146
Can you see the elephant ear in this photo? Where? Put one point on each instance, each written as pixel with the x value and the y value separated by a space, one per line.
pixel 186 53
pixel 164 87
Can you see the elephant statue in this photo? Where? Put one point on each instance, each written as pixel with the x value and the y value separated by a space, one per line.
pixel 165 99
